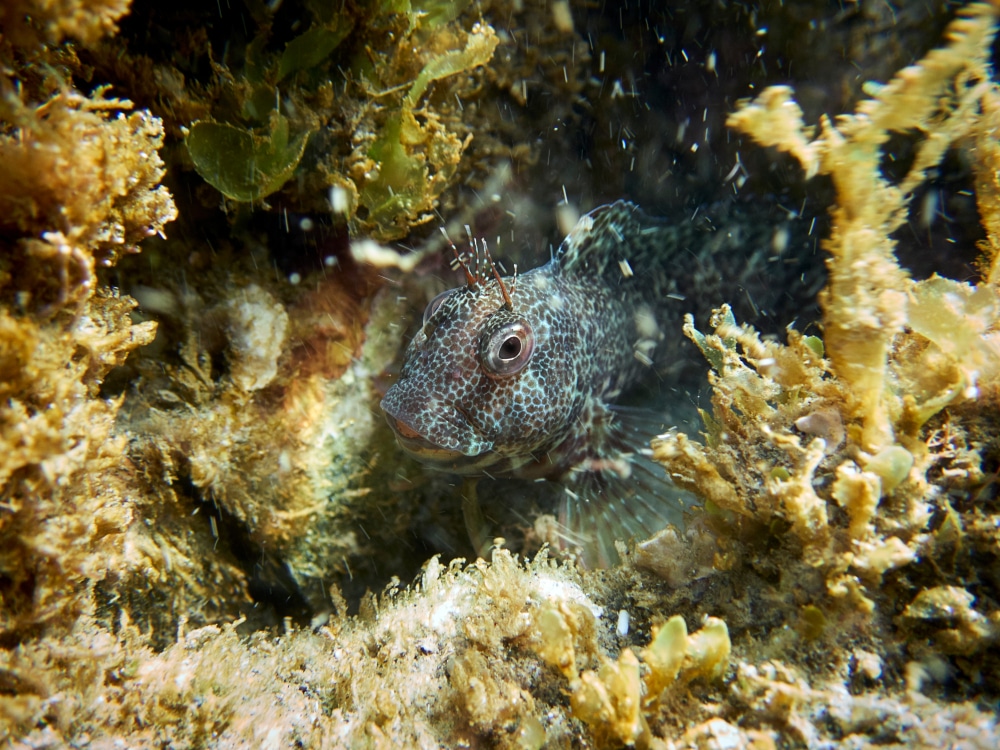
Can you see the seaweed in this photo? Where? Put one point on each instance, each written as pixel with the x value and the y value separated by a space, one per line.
pixel 241 165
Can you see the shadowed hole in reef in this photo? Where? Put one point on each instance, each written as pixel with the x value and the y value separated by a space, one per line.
pixel 268 581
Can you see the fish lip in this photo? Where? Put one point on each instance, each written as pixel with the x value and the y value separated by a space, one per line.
pixel 414 440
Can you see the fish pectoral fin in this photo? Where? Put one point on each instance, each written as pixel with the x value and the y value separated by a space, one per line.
pixel 616 492
pixel 614 498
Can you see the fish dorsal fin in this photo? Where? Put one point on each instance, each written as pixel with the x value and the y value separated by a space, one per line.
pixel 614 236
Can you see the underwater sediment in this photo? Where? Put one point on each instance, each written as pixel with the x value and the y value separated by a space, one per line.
pixel 208 536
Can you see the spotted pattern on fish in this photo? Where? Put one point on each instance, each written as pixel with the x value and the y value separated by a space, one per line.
pixel 518 377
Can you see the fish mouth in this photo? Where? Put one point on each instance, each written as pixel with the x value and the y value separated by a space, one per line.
pixel 415 443
pixel 434 432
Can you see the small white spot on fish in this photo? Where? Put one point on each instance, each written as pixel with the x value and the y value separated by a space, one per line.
pixel 643 358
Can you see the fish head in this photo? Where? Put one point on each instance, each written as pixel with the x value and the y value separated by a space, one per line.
pixel 485 383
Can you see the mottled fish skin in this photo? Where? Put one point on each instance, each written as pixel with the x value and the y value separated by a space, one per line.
pixel 520 380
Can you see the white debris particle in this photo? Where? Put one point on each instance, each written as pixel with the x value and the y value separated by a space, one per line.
pixel 623 622
pixel 340 201
pixel 562 17
pixel 645 323
pixel 779 240
pixel 566 216
pixel 643 358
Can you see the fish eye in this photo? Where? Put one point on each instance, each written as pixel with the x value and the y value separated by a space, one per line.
pixel 507 349
pixel 434 304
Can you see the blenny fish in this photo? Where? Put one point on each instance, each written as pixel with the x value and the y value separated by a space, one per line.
pixel 518 376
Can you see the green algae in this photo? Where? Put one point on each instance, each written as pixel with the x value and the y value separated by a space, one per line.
pixel 477 52
pixel 242 164
pixel 311 48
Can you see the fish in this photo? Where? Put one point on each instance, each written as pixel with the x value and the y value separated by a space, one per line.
pixel 521 375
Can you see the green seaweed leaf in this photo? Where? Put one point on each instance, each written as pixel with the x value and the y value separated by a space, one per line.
pixel 815 344
pixel 478 51
pixel 401 181
pixel 313 47
pixel 241 164
pixel 433 13
pixel 713 356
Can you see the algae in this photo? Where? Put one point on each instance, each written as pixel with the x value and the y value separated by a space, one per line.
pixel 241 165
